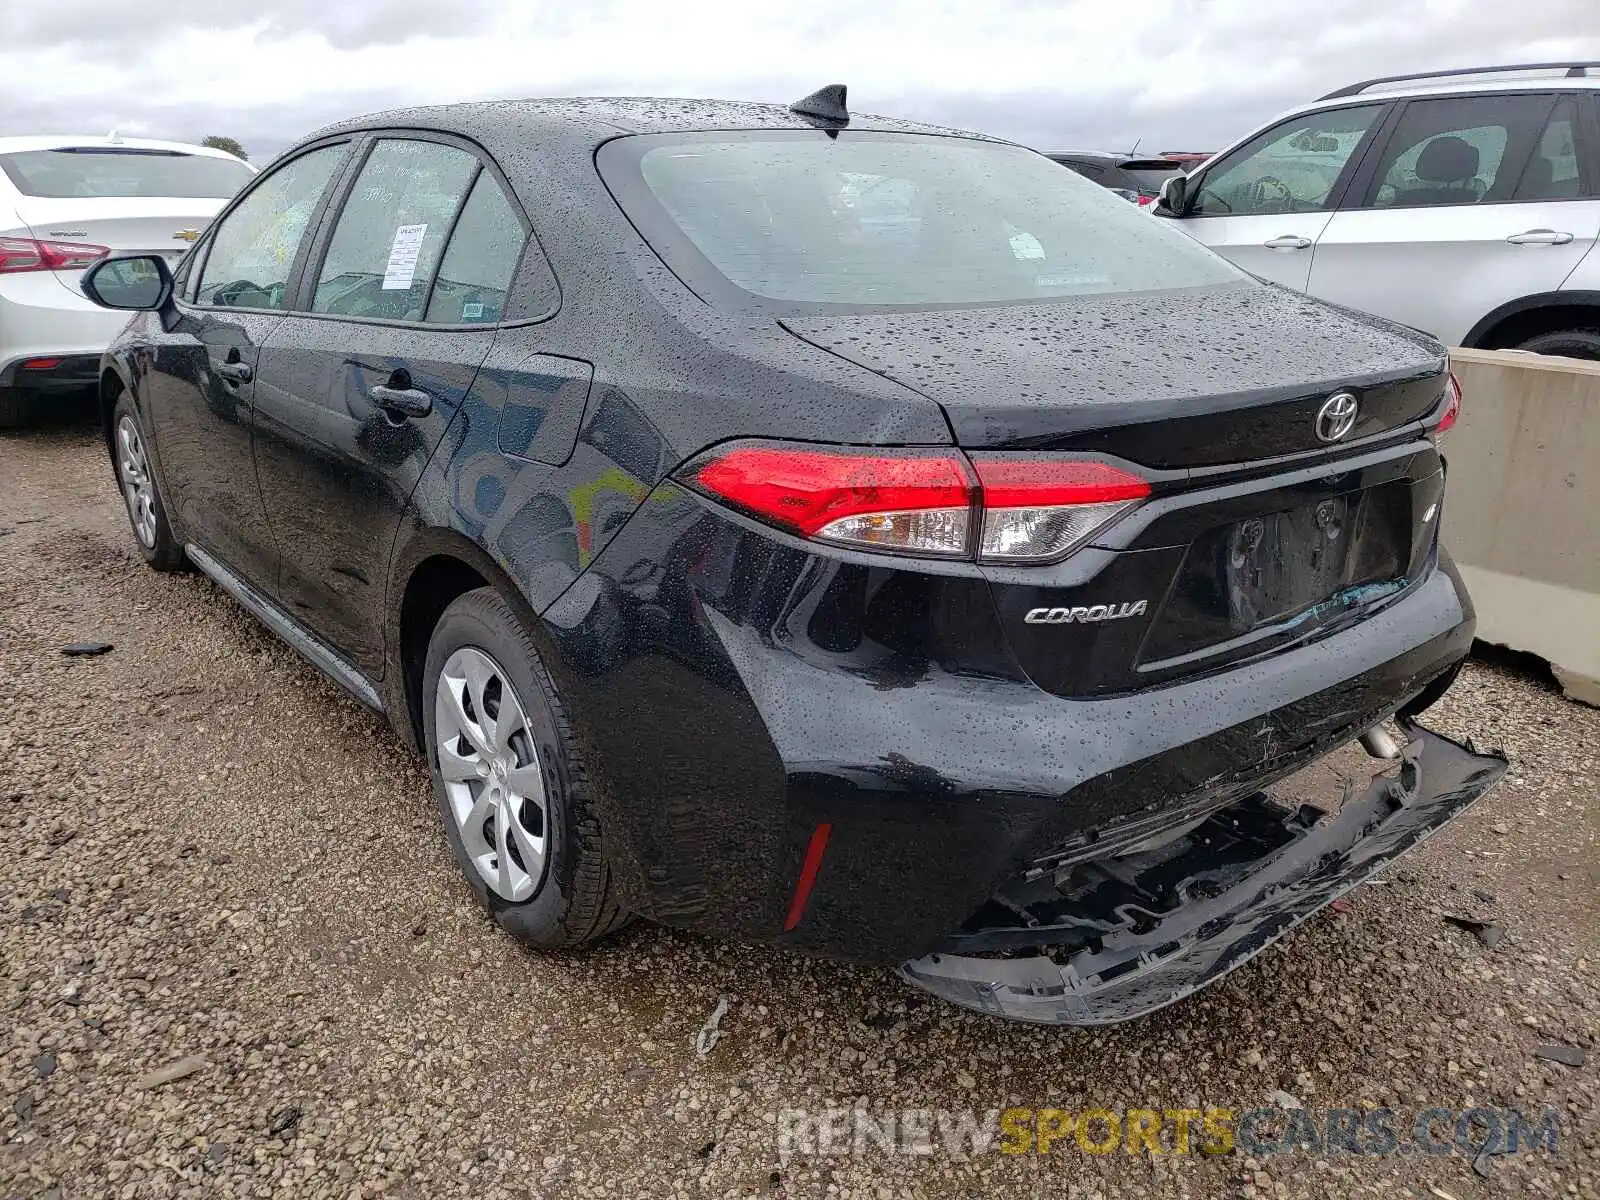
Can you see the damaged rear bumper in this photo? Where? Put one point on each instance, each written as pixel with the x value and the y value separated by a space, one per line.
pixel 1114 938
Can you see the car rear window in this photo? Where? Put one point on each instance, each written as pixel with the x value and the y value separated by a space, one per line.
pixel 1151 175
pixel 879 219
pixel 110 171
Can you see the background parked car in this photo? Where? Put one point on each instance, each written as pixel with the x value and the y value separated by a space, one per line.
pixel 1136 179
pixel 1463 205
pixel 64 203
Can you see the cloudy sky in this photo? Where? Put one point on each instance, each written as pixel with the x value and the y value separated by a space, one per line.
pixel 1179 74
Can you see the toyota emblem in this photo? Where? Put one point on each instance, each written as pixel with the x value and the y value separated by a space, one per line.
pixel 1336 416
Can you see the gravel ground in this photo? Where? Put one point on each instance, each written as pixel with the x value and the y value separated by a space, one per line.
pixel 210 858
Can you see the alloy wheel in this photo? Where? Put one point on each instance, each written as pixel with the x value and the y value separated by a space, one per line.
pixel 491 774
pixel 134 468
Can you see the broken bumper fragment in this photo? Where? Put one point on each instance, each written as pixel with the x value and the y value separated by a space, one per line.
pixel 1092 941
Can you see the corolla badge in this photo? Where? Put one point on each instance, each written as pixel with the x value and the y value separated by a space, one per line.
pixel 1093 612
pixel 1336 416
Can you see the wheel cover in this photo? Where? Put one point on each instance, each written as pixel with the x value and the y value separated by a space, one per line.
pixel 137 490
pixel 490 771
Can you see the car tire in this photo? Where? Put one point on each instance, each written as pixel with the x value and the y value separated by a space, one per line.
pixel 520 819
pixel 1568 343
pixel 16 408
pixel 141 497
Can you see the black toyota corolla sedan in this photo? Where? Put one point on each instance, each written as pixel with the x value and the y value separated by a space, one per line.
pixel 817 529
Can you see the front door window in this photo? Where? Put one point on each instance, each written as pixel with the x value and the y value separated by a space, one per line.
pixel 1291 168
pixel 254 247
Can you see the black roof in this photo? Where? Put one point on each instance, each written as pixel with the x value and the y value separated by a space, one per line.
pixel 598 118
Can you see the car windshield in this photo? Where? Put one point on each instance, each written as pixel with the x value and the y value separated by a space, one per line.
pixel 110 171
pixel 869 219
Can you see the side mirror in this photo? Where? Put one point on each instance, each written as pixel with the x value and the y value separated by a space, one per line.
pixel 1173 197
pixel 136 282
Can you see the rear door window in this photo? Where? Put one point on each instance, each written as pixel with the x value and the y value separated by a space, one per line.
pixel 1552 172
pixel 475 273
pixel 1289 168
pixel 253 250
pixel 386 246
pixel 1458 150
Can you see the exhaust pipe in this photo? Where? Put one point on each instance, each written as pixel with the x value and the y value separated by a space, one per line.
pixel 1378 743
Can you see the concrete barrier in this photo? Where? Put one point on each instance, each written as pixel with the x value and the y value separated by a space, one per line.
pixel 1522 512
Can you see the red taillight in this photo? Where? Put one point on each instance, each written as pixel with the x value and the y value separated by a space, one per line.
pixel 1146 200
pixel 1034 482
pixel 900 500
pixel 1029 509
pixel 1452 404
pixel 25 254
pixel 40 364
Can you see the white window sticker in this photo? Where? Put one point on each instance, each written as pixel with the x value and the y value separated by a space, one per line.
pixel 472 312
pixel 403 254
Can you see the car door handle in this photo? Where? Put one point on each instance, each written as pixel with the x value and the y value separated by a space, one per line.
pixel 238 372
pixel 1288 241
pixel 408 402
pixel 1540 237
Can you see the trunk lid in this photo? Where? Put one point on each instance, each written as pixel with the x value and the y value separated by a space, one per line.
pixel 160 225
pixel 1167 380
pixel 1259 535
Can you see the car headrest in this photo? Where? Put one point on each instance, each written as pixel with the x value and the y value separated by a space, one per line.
pixel 1448 160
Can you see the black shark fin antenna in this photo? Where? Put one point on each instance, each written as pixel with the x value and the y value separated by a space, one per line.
pixel 825 107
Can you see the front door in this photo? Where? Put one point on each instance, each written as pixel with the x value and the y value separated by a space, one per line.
pixel 1264 204
pixel 201 385
pixel 354 394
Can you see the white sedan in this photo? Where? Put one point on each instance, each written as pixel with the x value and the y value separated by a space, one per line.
pixel 65 202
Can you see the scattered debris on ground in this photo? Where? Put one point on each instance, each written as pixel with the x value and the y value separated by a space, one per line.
pixel 711 1032
pixel 86 649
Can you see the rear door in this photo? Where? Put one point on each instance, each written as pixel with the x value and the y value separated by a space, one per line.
pixel 1473 201
pixel 1264 204
pixel 198 391
pixel 398 310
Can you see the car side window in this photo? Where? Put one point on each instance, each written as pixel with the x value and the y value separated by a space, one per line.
pixel 253 250
pixel 1458 150
pixel 477 267
pixel 1289 168
pixel 389 237
pixel 1552 172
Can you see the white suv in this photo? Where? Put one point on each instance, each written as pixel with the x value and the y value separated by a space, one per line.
pixel 65 202
pixel 1463 203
